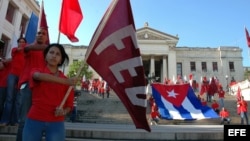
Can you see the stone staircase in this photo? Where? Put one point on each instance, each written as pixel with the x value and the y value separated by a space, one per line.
pixel 95 110
pixel 92 108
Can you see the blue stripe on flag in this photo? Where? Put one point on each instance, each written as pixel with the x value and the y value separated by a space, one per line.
pixel 32 29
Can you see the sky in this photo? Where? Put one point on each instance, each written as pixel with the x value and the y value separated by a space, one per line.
pixel 198 23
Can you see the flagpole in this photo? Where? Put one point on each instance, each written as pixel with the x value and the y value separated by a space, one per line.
pixel 40 15
pixel 58 39
pixel 71 87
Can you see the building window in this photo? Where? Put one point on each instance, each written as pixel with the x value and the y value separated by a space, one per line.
pixel 231 66
pixel 24 22
pixel 1 48
pixel 4 46
pixel 204 66
pixel 215 67
pixel 10 13
pixel 179 69
pixel 192 66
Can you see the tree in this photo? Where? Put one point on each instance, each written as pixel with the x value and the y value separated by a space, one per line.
pixel 74 68
pixel 247 74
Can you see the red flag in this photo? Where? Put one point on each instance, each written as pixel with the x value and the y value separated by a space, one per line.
pixel 238 94
pixel 248 38
pixel 71 17
pixel 43 22
pixel 115 56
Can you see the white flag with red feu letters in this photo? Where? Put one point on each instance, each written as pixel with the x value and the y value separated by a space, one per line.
pixel 114 54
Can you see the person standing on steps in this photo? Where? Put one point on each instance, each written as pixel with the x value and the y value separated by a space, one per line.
pixel 12 104
pixel 33 59
pixel 242 105
pixel 49 86
pixel 4 71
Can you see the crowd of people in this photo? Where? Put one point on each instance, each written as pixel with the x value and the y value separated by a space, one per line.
pixel 33 88
pixel 96 86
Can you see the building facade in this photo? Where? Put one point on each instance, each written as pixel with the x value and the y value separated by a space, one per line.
pixel 161 56
pixel 163 59
pixel 14 18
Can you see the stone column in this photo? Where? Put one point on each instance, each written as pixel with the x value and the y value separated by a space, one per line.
pixel 152 65
pixel 164 67
pixel 171 65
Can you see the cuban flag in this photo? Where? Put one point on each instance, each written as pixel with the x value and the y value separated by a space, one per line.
pixel 179 102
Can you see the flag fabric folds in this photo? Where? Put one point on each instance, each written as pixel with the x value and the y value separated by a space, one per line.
pixel 179 102
pixel 31 29
pixel 238 97
pixel 43 21
pixel 247 37
pixel 71 17
pixel 114 54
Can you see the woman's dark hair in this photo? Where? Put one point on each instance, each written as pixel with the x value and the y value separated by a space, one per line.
pixel 21 38
pixel 65 57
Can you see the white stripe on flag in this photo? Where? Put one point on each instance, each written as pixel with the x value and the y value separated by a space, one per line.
pixel 195 113
pixel 175 114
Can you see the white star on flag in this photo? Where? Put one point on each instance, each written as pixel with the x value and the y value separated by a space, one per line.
pixel 172 94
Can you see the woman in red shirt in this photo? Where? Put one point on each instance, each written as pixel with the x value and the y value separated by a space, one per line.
pixel 49 86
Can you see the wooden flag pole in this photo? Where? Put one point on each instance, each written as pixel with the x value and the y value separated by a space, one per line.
pixel 71 87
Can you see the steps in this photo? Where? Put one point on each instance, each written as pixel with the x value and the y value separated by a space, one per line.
pixel 92 108
pixel 108 119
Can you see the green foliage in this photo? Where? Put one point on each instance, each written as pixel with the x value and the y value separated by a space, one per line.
pixel 74 68
pixel 247 74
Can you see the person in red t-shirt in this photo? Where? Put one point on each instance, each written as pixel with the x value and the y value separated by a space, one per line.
pixel 49 86
pixel 11 108
pixel 33 57
pixel 4 71
pixel 203 102
pixel 224 115
pixel 221 94
pixel 155 115
pixel 243 107
pixel 215 106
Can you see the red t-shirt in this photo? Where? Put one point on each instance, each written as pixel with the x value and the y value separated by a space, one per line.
pixel 243 106
pixel 215 106
pixel 224 114
pixel 221 94
pixel 155 114
pixel 33 59
pixel 17 61
pixel 4 75
pixel 46 96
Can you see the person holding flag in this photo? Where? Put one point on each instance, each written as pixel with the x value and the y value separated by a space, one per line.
pixel 33 59
pixel 49 86
pixel 242 105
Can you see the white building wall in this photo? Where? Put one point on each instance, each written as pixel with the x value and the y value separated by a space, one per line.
pixel 22 8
